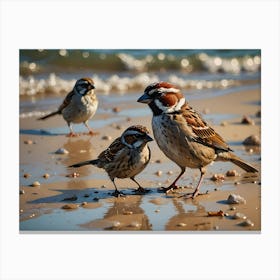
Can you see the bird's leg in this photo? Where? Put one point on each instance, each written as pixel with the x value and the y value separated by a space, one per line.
pixel 196 192
pixel 140 189
pixel 90 130
pixel 116 193
pixel 173 186
pixel 72 133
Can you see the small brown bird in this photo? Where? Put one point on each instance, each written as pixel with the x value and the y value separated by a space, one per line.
pixel 182 134
pixel 126 157
pixel 78 106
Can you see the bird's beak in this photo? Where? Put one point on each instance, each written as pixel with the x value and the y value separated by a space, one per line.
pixel 145 98
pixel 148 138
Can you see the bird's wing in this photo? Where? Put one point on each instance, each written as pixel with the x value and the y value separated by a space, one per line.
pixel 201 132
pixel 67 100
pixel 109 154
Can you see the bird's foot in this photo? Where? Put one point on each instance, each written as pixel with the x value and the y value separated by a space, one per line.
pixel 141 190
pixel 117 193
pixel 92 133
pixel 191 195
pixel 72 134
pixel 168 189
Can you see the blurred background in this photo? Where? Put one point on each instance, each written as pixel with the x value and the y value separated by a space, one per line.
pixel 52 73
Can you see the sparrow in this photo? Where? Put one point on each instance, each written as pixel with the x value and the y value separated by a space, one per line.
pixel 183 135
pixel 78 106
pixel 126 157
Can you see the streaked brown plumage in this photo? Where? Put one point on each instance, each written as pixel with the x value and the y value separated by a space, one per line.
pixel 183 135
pixel 79 105
pixel 126 157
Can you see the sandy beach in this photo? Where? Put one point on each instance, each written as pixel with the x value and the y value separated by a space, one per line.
pixel 81 199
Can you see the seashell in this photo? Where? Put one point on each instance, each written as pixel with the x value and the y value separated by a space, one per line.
pixel 36 184
pixel 236 199
pixel 61 151
pixel 218 177
pixel 252 140
pixel 232 173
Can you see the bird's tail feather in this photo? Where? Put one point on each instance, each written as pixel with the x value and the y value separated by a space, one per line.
pixel 228 156
pixel 49 115
pixel 88 162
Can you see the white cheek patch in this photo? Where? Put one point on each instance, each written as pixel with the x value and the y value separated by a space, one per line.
pixel 174 108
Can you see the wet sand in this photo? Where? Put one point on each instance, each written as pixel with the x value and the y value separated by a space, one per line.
pixel 89 194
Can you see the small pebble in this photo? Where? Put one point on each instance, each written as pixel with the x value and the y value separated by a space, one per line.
pixel 170 172
pixel 218 177
pixel 83 151
pixel 215 213
pixel 70 206
pixel 103 187
pixel 28 142
pixel 236 199
pixel 216 227
pixel 236 183
pixel 61 151
pixel 95 199
pixel 106 137
pixel 232 208
pixel 247 223
pixel 86 195
pixel 71 198
pixel 116 224
pixel 158 161
pixel 21 192
pixel 46 175
pixel 128 119
pixel 158 173
pixel 116 109
pixel 35 184
pixel 157 210
pixel 127 212
pixel 239 215
pixel 247 120
pixel 181 225
pixel 232 173
pixel 135 225
pixel 21 210
pixel 224 123
pixel 206 111
pixel 84 203
pixel 26 175
pixel 253 140
pixel 73 175
pixel 119 127
pixel 258 114
pixel 95 191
